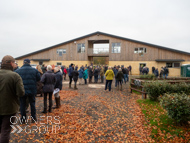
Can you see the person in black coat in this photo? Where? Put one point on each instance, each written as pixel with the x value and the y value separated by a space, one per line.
pixel 119 78
pixel 58 85
pixel 75 78
pixel 96 75
pixel 48 79
pixel 156 73
pixel 90 74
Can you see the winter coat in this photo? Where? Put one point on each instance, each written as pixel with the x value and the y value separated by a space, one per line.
pixel 85 75
pixel 49 80
pixel 70 70
pixel 62 68
pixel 75 75
pixel 124 71
pixel 119 75
pixel 29 76
pixel 43 69
pixel 81 73
pixel 65 71
pixel 59 79
pixel 156 73
pixel 96 72
pixel 105 69
pixel 109 75
pixel 127 71
pixel 11 88
pixel 90 72
pixel 115 71
pixel 102 72
pixel 39 86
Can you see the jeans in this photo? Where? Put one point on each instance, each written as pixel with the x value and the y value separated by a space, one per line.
pixel 125 75
pixel 119 82
pixel 85 82
pixel 96 78
pixel 90 79
pixel 115 82
pixel 108 84
pixel 23 106
pixel 5 127
pixel 165 75
pixel 70 79
pixel 45 100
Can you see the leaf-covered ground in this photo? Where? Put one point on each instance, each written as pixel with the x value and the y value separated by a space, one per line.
pixel 88 115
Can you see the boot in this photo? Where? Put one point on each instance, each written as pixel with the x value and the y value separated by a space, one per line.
pixel 117 87
pixel 45 111
pixel 70 86
pixel 56 102
pixel 59 101
pixel 49 109
pixel 121 88
pixel 75 87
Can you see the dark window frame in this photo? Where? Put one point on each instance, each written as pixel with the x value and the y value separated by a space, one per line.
pixel 137 50
pixel 113 47
pixel 82 48
pixel 60 52
pixel 173 64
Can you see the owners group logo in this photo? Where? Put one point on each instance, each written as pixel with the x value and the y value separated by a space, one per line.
pixel 44 124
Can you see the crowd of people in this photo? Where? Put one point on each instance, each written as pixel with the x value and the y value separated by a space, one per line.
pixel 22 85
pixel 162 74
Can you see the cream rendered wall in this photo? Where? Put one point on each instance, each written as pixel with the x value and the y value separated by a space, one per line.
pixel 173 72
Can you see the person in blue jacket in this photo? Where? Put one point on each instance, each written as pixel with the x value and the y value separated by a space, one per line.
pixel 71 68
pixel 30 76
pixel 81 72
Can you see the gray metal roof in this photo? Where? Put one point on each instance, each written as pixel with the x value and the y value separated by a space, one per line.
pixel 101 33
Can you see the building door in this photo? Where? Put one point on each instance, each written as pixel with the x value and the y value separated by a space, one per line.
pixel 100 60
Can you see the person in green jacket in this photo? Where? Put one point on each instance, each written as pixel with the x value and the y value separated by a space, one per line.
pixel 11 88
pixel 109 78
pixel 85 75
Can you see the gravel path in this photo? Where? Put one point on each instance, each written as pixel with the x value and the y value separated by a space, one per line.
pixel 90 114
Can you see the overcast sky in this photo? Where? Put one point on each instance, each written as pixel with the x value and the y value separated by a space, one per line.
pixel 30 25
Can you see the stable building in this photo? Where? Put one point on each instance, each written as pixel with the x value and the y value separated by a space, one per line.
pixel 113 50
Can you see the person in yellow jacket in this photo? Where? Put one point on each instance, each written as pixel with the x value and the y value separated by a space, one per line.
pixel 109 78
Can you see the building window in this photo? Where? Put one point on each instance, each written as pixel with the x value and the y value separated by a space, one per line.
pixel 81 48
pixel 60 52
pixel 116 48
pixel 140 51
pixel 173 65
pixel 59 64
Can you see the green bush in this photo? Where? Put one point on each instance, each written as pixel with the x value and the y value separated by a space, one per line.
pixel 177 106
pixel 148 76
pixel 157 88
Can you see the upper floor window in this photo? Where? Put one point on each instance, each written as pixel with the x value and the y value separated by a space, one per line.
pixel 81 48
pixel 60 52
pixel 140 51
pixel 116 48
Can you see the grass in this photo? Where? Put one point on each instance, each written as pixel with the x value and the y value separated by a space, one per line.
pixel 136 92
pixel 162 126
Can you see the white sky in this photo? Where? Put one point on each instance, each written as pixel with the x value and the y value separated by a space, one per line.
pixel 30 25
